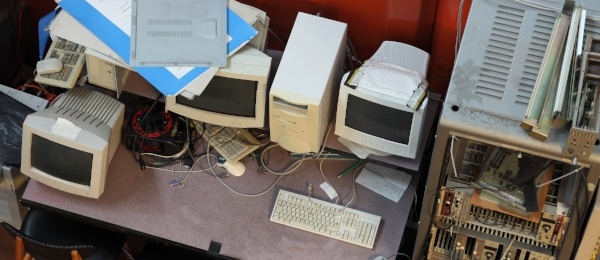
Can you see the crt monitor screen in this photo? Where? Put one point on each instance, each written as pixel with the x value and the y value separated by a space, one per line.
pixel 378 120
pixel 61 161
pixel 225 96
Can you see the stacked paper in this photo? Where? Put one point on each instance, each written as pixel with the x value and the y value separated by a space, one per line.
pixel 109 24
pixel 392 80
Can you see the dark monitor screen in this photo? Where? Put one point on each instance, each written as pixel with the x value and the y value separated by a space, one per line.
pixel 378 120
pixel 61 161
pixel 225 96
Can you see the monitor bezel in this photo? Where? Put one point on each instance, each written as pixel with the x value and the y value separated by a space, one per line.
pixel 246 64
pixel 85 142
pixel 373 142
pixel 223 119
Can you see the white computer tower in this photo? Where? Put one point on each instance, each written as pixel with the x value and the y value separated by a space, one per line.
pixel 12 185
pixel 305 85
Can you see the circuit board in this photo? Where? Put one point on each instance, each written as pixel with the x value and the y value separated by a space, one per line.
pixel 498 174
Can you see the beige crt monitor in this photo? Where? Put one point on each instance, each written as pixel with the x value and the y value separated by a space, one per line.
pixel 302 93
pixel 381 124
pixel 378 124
pixel 235 96
pixel 69 146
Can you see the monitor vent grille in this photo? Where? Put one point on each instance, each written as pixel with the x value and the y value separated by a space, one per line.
pixel 404 55
pixel 503 46
pixel 502 60
pixel 500 51
pixel 165 32
pixel 592 28
pixel 170 34
pixel 96 104
pixel 535 54
pixel 170 22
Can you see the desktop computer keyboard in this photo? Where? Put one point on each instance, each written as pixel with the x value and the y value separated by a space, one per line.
pixel 325 218
pixel 232 143
pixel 73 60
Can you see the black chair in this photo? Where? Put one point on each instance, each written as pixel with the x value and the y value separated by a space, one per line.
pixel 48 236
pixel 158 251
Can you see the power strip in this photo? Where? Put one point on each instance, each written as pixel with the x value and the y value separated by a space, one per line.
pixel 34 102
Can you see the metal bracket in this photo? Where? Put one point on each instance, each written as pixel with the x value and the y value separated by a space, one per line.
pixel 580 143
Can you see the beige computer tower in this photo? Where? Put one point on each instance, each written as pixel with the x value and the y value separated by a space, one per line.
pixel 12 186
pixel 105 73
pixel 305 85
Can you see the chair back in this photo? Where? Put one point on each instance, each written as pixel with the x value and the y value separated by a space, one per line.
pixel 42 251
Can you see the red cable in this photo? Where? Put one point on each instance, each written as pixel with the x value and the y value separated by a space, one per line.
pixel 168 123
pixel 47 95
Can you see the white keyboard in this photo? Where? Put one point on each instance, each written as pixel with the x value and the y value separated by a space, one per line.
pixel 73 60
pixel 325 218
pixel 232 143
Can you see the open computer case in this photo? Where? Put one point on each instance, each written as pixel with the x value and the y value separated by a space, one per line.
pixel 494 74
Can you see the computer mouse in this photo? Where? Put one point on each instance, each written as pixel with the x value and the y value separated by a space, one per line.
pixel 50 65
pixel 234 168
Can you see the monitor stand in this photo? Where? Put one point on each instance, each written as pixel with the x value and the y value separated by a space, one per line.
pixel 360 150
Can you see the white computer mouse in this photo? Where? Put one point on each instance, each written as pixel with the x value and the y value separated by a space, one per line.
pixel 50 65
pixel 234 168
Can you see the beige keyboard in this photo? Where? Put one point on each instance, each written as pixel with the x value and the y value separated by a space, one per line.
pixel 325 219
pixel 232 143
pixel 73 59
